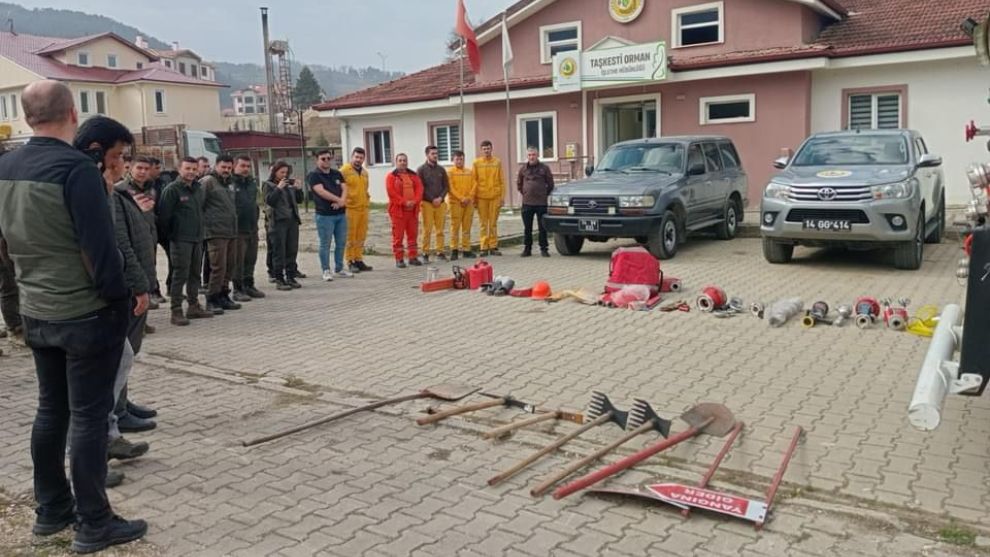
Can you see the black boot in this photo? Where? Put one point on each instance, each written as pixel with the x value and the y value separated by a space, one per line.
pixel 226 303
pixel 282 285
pixel 213 305
pixel 455 255
pixel 122 449
pixel 250 290
pixel 90 539
pixel 129 423
pixel 527 251
pixel 141 411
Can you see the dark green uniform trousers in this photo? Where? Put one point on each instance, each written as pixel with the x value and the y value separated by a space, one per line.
pixel 187 258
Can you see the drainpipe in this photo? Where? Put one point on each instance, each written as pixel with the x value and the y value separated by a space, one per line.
pixel 939 374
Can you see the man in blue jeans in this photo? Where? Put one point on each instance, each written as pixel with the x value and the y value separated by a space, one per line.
pixel 58 231
pixel 329 197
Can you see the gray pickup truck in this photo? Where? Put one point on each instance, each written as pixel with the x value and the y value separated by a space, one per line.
pixel 856 189
pixel 655 191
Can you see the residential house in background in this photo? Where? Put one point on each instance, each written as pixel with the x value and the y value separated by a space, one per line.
pixel 250 111
pixel 108 75
pixel 766 73
pixel 182 60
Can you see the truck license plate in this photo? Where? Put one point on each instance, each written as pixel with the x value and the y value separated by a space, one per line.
pixel 827 225
pixel 588 225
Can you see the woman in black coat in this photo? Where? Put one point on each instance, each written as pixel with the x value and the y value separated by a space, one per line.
pixel 283 195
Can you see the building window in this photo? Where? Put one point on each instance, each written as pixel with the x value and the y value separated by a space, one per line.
pixel 539 131
pixel 84 102
pixel 447 138
pixel 248 100
pixel 140 65
pixel 698 25
pixel 168 64
pixel 101 102
pixel 195 70
pixel 203 71
pixel 729 109
pixel 563 37
pixel 82 58
pixel 182 68
pixel 248 110
pixel 3 109
pixel 874 111
pixel 111 60
pixel 379 144
pixel 159 101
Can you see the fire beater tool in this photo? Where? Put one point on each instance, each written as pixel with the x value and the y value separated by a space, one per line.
pixel 707 417
pixel 600 411
pixel 641 419
pixel 507 401
pixel 447 391
pixel 540 417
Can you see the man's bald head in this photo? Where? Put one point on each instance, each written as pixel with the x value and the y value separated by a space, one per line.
pixel 47 103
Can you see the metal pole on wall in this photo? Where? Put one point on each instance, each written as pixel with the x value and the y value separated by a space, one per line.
pixel 302 152
pixel 460 132
pixel 508 112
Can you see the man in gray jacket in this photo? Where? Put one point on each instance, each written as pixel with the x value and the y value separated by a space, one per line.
pixel 220 232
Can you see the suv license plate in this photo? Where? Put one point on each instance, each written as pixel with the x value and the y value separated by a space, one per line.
pixel 588 225
pixel 827 225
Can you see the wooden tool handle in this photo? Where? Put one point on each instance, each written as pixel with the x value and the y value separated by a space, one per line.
pixel 582 462
pixel 443 414
pixel 548 449
pixel 333 417
pixel 500 431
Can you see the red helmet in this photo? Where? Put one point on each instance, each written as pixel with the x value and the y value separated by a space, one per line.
pixel 541 290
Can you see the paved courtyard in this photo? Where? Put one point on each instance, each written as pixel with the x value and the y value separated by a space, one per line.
pixel 863 482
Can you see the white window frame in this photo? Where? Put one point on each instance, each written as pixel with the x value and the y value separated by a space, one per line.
pixel 96 103
pixel 434 140
pixel 79 62
pixel 4 115
pixel 545 30
pixel 114 58
pixel 520 144
pixel 90 101
pixel 705 102
pixel 14 115
pixel 370 134
pixel 154 101
pixel 875 108
pixel 675 23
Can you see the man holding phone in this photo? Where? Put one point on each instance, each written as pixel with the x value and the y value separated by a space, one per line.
pixel 330 198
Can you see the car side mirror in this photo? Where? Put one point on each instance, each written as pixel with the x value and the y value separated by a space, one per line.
pixel 929 161
pixel 589 170
pixel 696 170
pixel 781 163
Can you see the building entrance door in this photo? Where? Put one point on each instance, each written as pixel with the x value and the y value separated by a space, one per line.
pixel 626 121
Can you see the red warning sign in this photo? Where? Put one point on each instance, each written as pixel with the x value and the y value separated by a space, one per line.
pixel 714 501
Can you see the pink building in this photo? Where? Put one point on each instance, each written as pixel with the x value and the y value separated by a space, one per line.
pixel 764 72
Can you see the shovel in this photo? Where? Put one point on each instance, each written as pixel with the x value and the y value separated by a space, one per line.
pixel 447 391
pixel 506 400
pixel 707 417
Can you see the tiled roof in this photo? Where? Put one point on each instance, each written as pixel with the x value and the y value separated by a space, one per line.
pixel 427 85
pixel 869 27
pixel 26 51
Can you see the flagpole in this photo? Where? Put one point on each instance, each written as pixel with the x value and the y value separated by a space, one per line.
pixel 508 111
pixel 460 135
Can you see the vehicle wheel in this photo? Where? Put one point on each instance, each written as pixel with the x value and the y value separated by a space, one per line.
pixel 665 239
pixel 777 252
pixel 936 236
pixel 907 255
pixel 568 245
pixel 642 239
pixel 726 230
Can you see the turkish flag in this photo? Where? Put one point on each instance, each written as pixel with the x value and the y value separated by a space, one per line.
pixel 466 32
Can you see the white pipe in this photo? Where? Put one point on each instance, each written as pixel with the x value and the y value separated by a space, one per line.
pixel 935 378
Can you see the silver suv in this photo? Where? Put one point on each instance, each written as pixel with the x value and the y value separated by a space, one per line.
pixel 859 190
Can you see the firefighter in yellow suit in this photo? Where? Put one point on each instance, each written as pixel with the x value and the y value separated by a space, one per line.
pixel 460 199
pixel 491 191
pixel 358 208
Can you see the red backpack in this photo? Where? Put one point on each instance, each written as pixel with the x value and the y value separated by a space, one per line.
pixel 633 266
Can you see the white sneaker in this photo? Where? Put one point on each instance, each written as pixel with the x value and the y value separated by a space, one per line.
pixel 345 274
pixel 327 275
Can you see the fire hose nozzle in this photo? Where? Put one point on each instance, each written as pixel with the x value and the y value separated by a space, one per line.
pixel 757 309
pixel 897 323
pixel 845 312
pixel 864 321
pixel 808 321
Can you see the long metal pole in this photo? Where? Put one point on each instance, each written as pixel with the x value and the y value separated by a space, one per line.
pixel 272 122
pixel 460 136
pixel 508 113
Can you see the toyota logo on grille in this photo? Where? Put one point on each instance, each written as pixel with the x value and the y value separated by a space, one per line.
pixel 827 194
pixel 592 204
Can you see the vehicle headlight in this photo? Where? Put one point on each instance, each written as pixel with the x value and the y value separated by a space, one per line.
pixel 560 200
pixel 628 201
pixel 777 191
pixel 897 190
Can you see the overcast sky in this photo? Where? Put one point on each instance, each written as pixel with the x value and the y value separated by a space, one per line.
pixel 410 33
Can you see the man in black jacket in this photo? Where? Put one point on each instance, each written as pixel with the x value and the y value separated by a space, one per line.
pixel 535 183
pixel 182 219
pixel 220 231
pixel 58 231
pixel 246 250
pixel 10 306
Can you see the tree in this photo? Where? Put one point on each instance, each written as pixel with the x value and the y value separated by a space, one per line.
pixel 453 46
pixel 307 91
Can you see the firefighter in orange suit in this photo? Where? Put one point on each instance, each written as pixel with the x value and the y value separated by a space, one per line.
pixel 491 190
pixel 405 193
pixel 358 207
pixel 460 199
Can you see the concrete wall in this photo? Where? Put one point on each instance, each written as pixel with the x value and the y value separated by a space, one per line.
pixel 410 135
pixel 942 97
pixel 749 25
